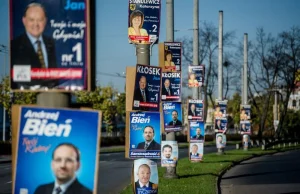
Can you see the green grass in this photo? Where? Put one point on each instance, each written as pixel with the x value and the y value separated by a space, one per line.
pixel 202 177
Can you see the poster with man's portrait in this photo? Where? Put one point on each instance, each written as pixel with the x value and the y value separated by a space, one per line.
pixel 197 131
pixel 172 115
pixel 196 151
pixel 54 52
pixel 49 138
pixel 220 125
pixel 144 21
pixel 220 140
pixel 245 127
pixel 146 95
pixel 195 109
pixel 171 87
pixel 145 176
pixel 144 135
pixel 169 153
pixel 246 141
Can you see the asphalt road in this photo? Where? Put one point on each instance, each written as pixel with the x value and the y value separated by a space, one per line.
pixel 114 171
pixel 278 173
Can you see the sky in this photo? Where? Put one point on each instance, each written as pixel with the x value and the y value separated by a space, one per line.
pixel 114 53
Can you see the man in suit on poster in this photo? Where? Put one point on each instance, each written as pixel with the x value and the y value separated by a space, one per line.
pixel 141 93
pixel 143 182
pixel 218 124
pixel 192 110
pixel 65 163
pixel 149 143
pixel 198 135
pixel 175 121
pixel 32 48
pixel 167 90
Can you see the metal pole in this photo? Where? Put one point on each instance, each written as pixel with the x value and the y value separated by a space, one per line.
pixel 196 91
pixel 245 68
pixel 4 112
pixel 143 54
pixel 220 66
pixel 170 171
pixel 242 85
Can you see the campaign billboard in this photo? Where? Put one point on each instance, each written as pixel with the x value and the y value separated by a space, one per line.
pixel 172 56
pixel 55 54
pixel 50 149
pixel 221 124
pixel 171 87
pixel 195 109
pixel 147 88
pixel 220 140
pixel 169 153
pixel 220 109
pixel 196 75
pixel 172 115
pixel 245 127
pixel 145 176
pixel 144 21
pixel 196 151
pixel 246 141
pixel 196 131
pixel 144 135
pixel 245 112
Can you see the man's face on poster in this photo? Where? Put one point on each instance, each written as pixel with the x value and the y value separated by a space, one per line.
pixel 174 115
pixel 144 174
pixel 193 107
pixel 148 134
pixel 143 83
pixel 195 149
pixel 167 152
pixel 219 139
pixel 219 122
pixel 167 83
pixel 198 131
pixel 64 163
pixel 35 21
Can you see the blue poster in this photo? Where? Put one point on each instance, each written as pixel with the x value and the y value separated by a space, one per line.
pixel 145 139
pixel 55 54
pixel 51 148
pixel 245 112
pixel 171 87
pixel 146 95
pixel 196 76
pixel 245 127
pixel 197 131
pixel 195 109
pixel 172 56
pixel 144 21
pixel 172 115
pixel 221 125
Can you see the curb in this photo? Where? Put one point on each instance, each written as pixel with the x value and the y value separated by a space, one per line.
pixel 218 179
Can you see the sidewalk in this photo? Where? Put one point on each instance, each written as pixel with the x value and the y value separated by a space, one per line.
pixel 278 173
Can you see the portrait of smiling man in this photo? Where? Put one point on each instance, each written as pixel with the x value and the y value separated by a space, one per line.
pixel 65 163
pixel 149 143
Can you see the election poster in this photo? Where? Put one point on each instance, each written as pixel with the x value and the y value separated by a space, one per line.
pixel 245 112
pixel 246 141
pixel 146 95
pixel 196 151
pixel 196 76
pixel 169 153
pixel 195 109
pixel 145 176
pixel 144 21
pixel 171 87
pixel 220 140
pixel 221 125
pixel 172 56
pixel 245 127
pixel 172 115
pixel 49 138
pixel 56 55
pixel 220 109
pixel 197 131
pixel 144 135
